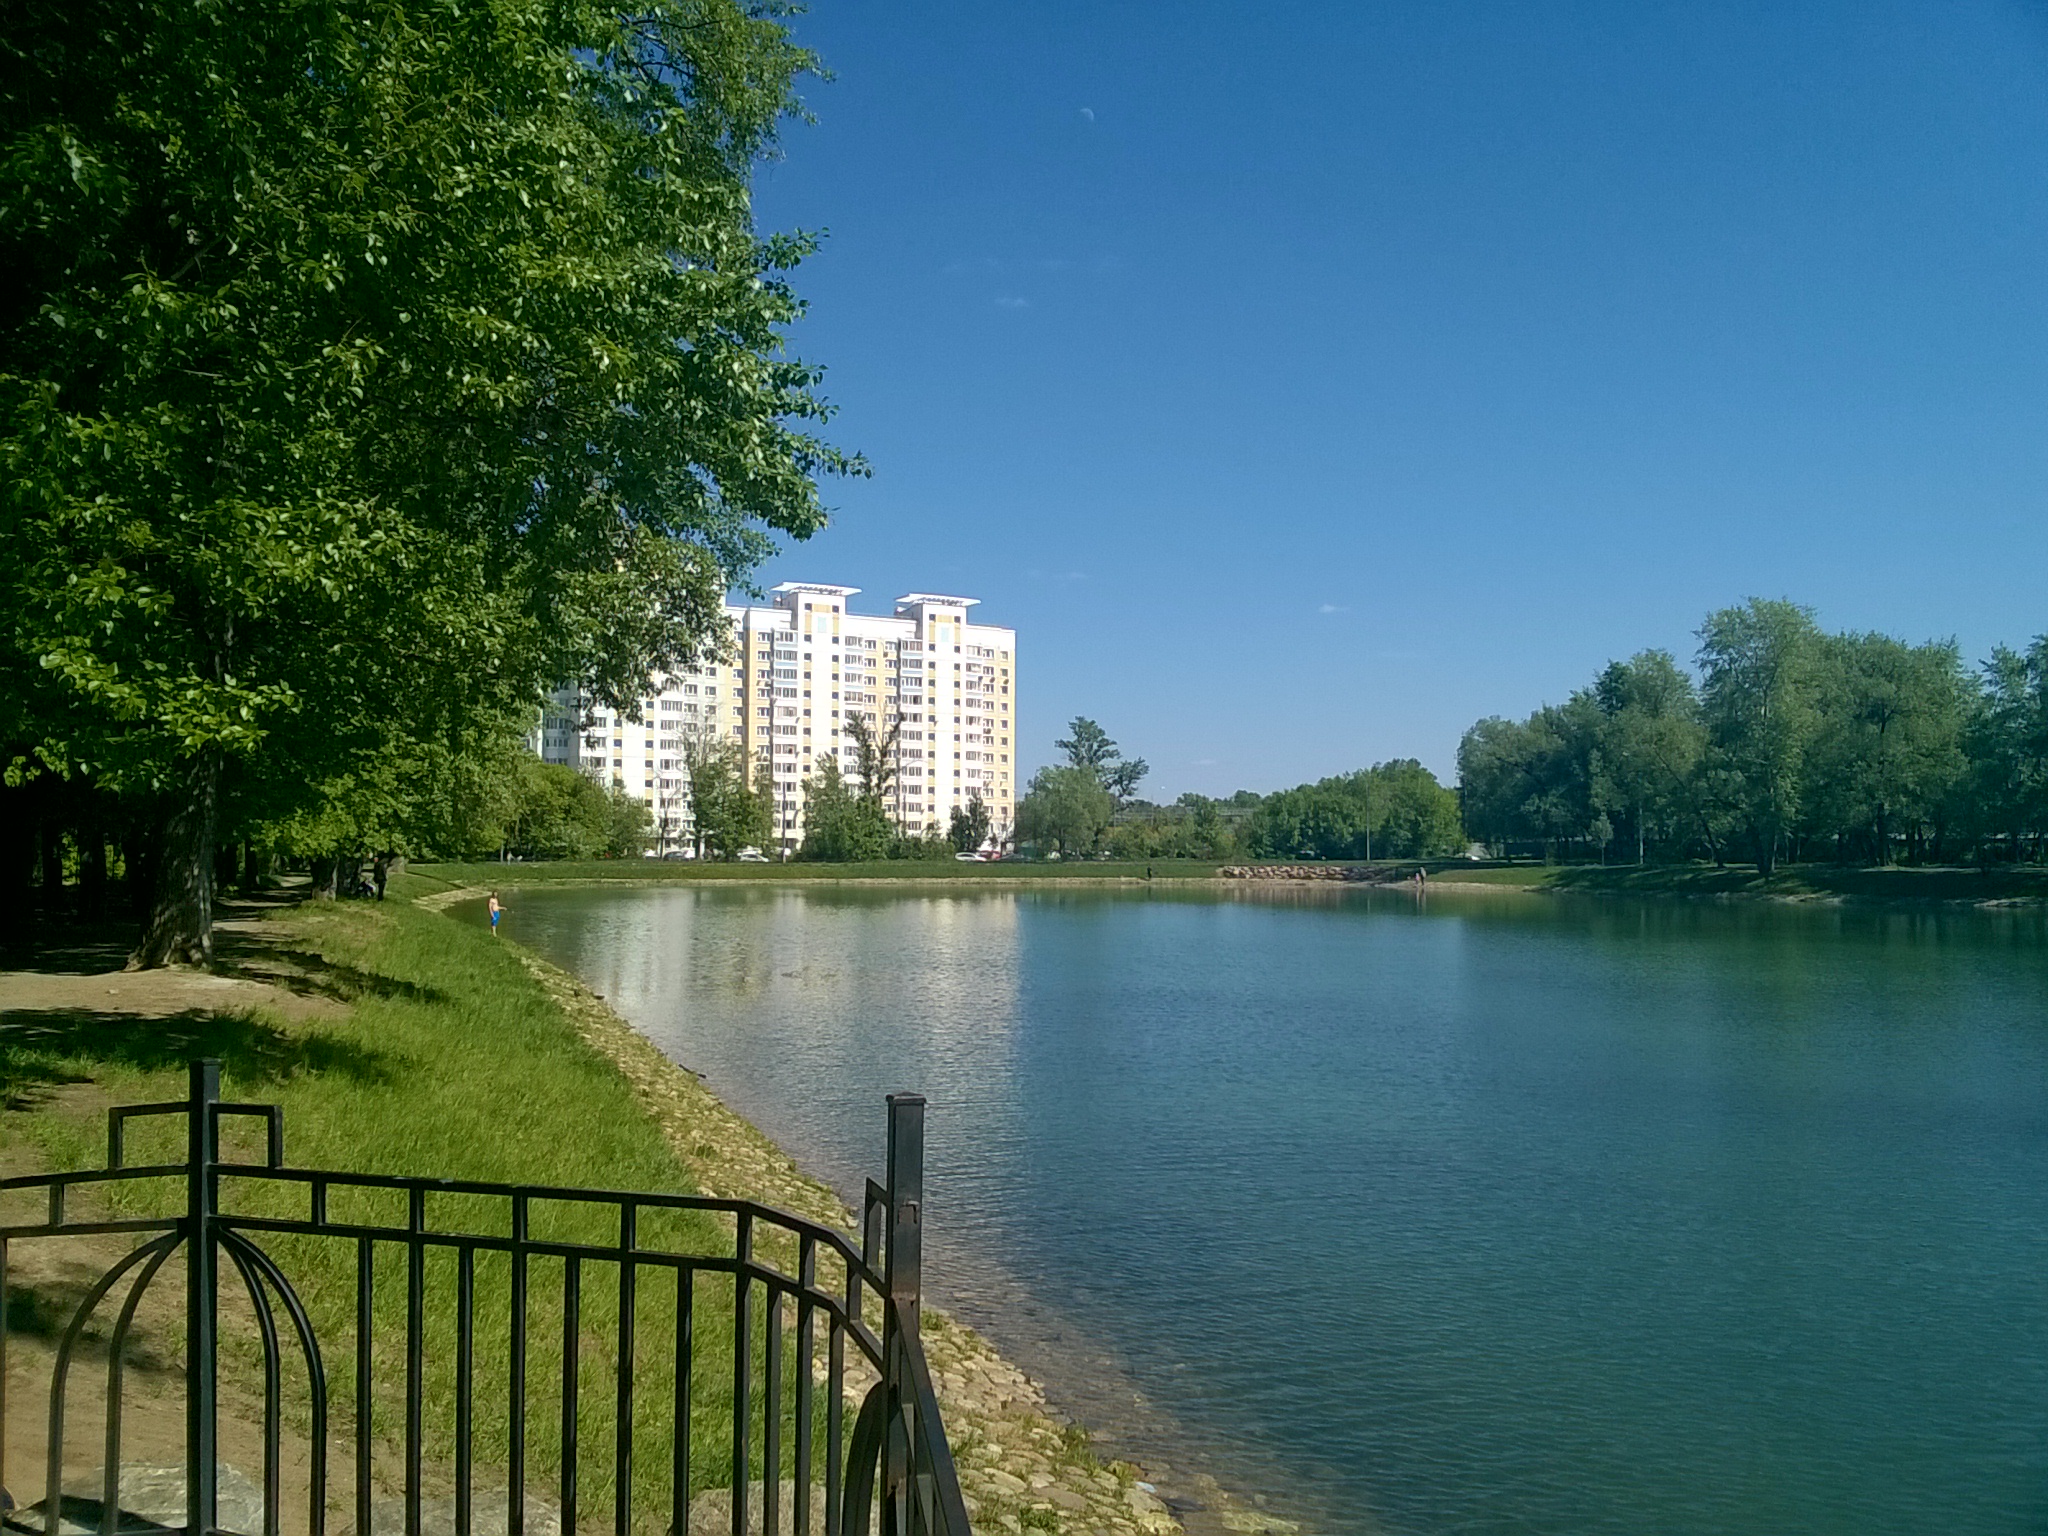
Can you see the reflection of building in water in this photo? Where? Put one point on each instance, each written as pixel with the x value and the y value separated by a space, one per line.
pixel 942 688
pixel 936 965
pixel 803 1008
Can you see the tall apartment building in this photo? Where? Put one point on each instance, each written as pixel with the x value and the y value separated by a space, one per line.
pixel 794 673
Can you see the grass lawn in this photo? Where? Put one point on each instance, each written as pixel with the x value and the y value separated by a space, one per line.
pixel 1896 884
pixel 450 1059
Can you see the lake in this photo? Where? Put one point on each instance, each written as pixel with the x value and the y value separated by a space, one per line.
pixel 1476 1214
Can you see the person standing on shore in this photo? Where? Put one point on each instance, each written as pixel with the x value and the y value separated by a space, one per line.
pixel 496 912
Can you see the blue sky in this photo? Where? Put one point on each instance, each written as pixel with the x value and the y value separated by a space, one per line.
pixel 1305 383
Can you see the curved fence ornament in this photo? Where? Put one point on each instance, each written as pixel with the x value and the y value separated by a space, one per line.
pixel 462 1290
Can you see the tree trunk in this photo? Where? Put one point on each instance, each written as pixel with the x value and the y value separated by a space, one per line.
pixel 252 869
pixel 138 870
pixel 180 927
pixel 92 860
pixel 322 874
pixel 53 862
pixel 17 871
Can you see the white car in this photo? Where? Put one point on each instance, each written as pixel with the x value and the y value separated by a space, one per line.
pixel 753 856
pixel 971 858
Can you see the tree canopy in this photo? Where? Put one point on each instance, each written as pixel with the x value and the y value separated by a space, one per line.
pixel 1792 741
pixel 1089 748
pixel 1390 810
pixel 366 369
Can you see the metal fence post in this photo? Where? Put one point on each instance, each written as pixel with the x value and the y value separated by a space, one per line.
pixel 201 1301
pixel 902 1272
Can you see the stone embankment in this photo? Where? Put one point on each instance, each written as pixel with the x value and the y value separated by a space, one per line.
pixel 1360 874
pixel 1021 1467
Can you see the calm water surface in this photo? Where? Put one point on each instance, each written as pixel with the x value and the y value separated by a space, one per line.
pixel 1498 1215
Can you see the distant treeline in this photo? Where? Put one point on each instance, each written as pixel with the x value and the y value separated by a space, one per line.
pixel 1088 807
pixel 1789 743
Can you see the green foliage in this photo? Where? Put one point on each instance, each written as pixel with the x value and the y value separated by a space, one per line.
pixel 1191 828
pixel 970 824
pixel 729 814
pixel 1065 811
pixel 1795 742
pixel 842 826
pixel 1390 810
pixel 561 814
pixel 1761 669
pixel 1088 747
pixel 924 848
pixel 2006 740
pixel 366 369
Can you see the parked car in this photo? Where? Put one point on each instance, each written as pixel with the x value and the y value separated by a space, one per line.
pixel 753 856
pixel 970 858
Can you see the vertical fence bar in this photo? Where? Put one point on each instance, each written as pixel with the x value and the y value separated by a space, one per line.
pixel 202 1314
pixel 742 1369
pixel 622 1484
pixel 415 1353
pixel 679 1471
pixel 835 1402
pixel 366 1272
pixel 771 1412
pixel 806 1325
pixel 515 1387
pixel 572 1332
pixel 3 1361
pixel 902 1277
pixel 465 1387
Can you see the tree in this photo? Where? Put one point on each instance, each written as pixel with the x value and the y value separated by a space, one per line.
pixel 1065 810
pixel 1395 809
pixel 1760 666
pixel 970 824
pixel 1532 780
pixel 2007 742
pixel 1088 747
pixel 1883 747
pixel 1649 740
pixel 1888 750
pixel 842 825
pixel 874 756
pixel 728 815
pixel 364 371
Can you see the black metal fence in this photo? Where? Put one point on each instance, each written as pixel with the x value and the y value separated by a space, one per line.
pixel 450 1278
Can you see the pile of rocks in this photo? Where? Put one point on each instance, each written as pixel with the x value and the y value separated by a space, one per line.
pixel 1356 872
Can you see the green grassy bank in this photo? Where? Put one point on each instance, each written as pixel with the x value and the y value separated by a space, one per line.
pixel 1904 885
pixel 1789 881
pixel 445 1056
pixel 439 876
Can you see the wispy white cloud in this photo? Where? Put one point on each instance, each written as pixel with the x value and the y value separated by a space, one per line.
pixel 1334 608
pixel 1011 301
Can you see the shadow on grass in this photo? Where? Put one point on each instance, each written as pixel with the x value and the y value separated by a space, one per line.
pixel 47 1047
pixel 307 972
